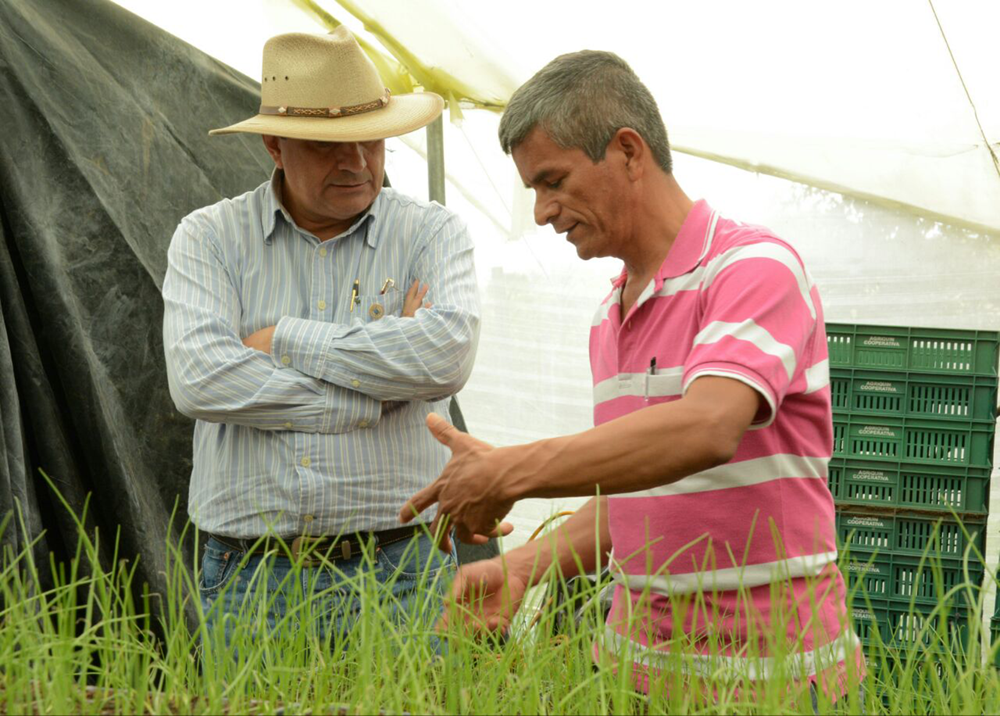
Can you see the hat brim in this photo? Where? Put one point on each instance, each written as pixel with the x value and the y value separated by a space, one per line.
pixel 404 113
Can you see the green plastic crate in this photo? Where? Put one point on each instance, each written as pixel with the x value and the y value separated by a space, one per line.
pixel 927 350
pixel 933 442
pixel 900 626
pixel 960 398
pixel 862 533
pixel 925 487
pixel 902 578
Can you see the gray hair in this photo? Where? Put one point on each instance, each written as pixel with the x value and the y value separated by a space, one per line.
pixel 581 100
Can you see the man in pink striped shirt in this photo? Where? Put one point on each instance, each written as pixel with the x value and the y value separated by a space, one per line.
pixel 708 462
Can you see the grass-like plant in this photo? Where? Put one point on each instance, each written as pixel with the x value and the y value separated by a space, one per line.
pixel 98 642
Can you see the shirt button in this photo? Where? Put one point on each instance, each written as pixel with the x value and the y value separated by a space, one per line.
pixel 355 383
pixel 308 518
pixel 322 252
pixel 288 426
pixel 363 424
pixel 321 305
pixel 306 462
pixel 285 360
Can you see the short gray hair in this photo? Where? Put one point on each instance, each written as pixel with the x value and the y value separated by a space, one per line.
pixel 581 100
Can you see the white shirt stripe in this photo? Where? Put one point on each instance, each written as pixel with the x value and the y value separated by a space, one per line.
pixel 751 575
pixel 665 383
pixel 742 474
pixel 764 250
pixel 751 332
pixel 800 665
pixel 818 376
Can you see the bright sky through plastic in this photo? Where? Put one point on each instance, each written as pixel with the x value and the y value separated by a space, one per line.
pixel 852 95
pixel 821 68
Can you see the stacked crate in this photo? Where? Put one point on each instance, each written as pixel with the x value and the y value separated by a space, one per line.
pixel 914 415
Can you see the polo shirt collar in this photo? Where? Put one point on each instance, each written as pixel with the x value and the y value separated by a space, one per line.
pixel 691 244
pixel 273 208
pixel 687 251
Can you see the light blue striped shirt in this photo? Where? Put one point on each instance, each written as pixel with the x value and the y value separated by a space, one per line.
pixel 327 434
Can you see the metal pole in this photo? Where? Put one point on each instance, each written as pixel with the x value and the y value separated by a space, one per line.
pixel 435 190
pixel 435 160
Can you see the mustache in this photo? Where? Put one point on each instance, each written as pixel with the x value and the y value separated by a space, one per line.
pixel 351 181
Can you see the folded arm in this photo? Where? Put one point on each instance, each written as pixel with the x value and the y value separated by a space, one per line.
pixel 214 377
pixel 427 357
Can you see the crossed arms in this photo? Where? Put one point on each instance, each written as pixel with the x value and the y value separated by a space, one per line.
pixel 336 376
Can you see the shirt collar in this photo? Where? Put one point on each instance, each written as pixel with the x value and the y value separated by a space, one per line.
pixel 691 244
pixel 273 208
pixel 689 247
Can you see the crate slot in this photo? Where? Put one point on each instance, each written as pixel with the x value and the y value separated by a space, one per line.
pixel 874 447
pixel 869 493
pixel 940 400
pixel 933 491
pixel 936 445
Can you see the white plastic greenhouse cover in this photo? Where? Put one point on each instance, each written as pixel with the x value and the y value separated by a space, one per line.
pixel 869 159
pixel 858 97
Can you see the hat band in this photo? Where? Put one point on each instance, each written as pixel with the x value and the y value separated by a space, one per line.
pixel 328 112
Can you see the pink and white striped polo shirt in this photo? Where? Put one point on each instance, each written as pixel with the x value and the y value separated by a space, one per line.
pixel 701 557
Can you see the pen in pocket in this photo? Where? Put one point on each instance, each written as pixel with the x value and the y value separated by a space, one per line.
pixel 651 371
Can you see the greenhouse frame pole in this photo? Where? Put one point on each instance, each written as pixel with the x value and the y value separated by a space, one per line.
pixel 435 190
pixel 435 160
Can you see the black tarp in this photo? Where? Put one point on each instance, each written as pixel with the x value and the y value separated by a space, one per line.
pixel 104 147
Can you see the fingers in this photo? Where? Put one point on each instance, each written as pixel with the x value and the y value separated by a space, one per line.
pixel 439 531
pixel 419 502
pixel 414 299
pixel 502 530
pixel 443 431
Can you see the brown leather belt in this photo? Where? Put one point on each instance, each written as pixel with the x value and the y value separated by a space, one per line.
pixel 313 551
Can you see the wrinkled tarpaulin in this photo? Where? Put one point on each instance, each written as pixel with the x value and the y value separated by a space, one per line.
pixel 104 149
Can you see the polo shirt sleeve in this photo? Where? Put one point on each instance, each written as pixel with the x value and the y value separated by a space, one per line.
pixel 757 318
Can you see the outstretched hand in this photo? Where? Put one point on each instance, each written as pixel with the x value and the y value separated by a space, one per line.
pixel 468 492
pixel 485 596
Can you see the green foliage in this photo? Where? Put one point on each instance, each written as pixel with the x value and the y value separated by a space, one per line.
pixel 92 644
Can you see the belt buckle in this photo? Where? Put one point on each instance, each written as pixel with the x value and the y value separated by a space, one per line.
pixel 301 550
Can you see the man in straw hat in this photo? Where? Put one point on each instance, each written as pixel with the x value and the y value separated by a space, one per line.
pixel 707 469
pixel 300 338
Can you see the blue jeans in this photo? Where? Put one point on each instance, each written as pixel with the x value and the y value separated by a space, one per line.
pixel 407 579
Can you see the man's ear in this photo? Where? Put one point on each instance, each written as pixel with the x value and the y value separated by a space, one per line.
pixel 633 149
pixel 273 148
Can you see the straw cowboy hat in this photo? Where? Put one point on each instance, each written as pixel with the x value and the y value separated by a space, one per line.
pixel 324 87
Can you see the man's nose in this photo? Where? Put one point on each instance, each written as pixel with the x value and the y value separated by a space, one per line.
pixel 350 157
pixel 545 210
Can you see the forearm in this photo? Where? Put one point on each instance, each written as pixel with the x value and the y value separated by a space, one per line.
pixel 644 449
pixel 233 384
pixel 578 546
pixel 427 357
pixel 625 455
